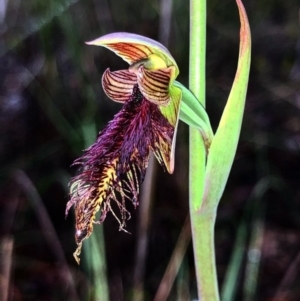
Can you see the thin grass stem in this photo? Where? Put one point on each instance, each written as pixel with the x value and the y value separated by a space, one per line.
pixel 174 263
pixel 6 251
pixel 47 228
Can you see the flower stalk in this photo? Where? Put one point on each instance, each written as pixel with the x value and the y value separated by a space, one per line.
pixel 202 223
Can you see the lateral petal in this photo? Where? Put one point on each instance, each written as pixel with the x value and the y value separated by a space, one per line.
pixel 118 85
pixel 154 84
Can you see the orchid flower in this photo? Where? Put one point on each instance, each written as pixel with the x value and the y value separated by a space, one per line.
pixel 113 168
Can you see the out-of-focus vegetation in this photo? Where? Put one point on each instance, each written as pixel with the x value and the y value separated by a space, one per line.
pixel 52 106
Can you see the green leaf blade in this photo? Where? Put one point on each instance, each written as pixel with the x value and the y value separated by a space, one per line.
pixel 224 144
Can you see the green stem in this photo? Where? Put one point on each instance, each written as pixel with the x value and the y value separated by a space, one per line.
pixel 197 48
pixel 202 222
pixel 204 254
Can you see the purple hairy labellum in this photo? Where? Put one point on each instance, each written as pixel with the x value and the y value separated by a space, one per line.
pixel 113 168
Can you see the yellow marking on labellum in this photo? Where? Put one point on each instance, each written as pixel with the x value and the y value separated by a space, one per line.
pixel 89 199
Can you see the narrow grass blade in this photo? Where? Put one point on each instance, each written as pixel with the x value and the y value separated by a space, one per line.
pixel 230 284
pixel 174 263
pixel 95 264
pixel 6 251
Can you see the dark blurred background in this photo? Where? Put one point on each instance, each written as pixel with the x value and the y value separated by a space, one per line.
pixel 52 107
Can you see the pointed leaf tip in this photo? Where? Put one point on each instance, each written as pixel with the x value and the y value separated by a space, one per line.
pixel 224 144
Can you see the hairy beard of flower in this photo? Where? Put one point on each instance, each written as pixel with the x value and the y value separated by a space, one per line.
pixel 113 168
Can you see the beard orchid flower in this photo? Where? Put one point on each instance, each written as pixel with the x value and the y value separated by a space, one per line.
pixel 113 168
